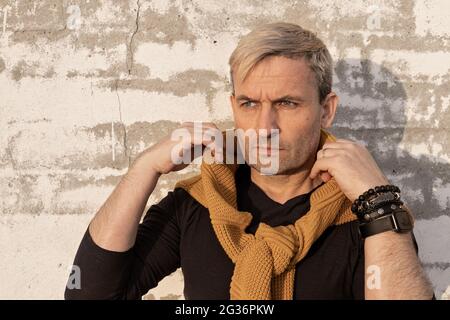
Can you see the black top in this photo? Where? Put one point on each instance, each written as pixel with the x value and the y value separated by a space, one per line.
pixel 177 232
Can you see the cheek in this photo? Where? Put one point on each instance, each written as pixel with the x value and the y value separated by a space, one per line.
pixel 301 133
pixel 237 119
pixel 294 126
pixel 240 124
pixel 243 120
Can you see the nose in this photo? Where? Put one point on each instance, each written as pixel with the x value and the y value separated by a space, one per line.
pixel 267 120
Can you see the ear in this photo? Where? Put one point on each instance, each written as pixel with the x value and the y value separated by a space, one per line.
pixel 328 111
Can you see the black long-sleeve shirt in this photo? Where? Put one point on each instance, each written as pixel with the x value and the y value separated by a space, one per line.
pixel 177 232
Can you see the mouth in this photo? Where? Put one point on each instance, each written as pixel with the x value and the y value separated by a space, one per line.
pixel 267 150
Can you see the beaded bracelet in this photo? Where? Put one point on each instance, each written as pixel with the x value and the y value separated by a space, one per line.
pixel 378 202
pixel 374 197
pixel 380 211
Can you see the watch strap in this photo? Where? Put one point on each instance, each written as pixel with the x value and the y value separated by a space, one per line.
pixel 398 221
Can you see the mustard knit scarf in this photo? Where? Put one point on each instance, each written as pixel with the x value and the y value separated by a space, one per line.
pixel 264 262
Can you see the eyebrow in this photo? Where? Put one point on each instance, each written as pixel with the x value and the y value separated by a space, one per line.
pixel 286 97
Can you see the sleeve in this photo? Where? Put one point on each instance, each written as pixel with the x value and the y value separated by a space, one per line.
pixel 129 275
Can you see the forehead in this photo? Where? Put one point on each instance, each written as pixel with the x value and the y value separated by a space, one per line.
pixel 278 75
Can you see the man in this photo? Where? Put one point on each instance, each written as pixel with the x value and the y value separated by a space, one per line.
pixel 240 234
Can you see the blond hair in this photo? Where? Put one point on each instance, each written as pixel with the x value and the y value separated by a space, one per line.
pixel 287 40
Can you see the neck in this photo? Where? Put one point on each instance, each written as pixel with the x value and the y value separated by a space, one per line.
pixel 281 188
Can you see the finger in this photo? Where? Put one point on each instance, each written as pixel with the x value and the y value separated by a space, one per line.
pixel 212 139
pixel 187 138
pixel 345 141
pixel 199 125
pixel 334 145
pixel 325 176
pixel 210 124
pixel 329 152
pixel 211 131
pixel 193 153
pixel 323 164
pixel 202 134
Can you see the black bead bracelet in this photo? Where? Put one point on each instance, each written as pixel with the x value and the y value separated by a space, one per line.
pixel 363 203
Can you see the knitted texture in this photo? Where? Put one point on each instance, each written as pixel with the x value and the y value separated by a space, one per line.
pixel 264 262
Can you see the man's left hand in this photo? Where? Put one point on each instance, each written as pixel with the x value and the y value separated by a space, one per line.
pixel 352 166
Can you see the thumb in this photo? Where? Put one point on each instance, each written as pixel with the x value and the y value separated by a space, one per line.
pixel 316 169
pixel 321 168
pixel 325 176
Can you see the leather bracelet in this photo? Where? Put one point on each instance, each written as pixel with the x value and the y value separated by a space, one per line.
pixel 398 221
pixel 375 196
pixel 379 211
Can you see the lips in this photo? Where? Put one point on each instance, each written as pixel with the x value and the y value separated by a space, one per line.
pixel 263 148
pixel 266 147
pixel 266 150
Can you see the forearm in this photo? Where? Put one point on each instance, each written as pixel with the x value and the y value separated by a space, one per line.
pixel 391 257
pixel 115 225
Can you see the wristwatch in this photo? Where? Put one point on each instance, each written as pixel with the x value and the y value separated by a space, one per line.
pixel 398 221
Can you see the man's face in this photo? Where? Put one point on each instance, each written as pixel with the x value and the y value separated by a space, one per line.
pixel 281 93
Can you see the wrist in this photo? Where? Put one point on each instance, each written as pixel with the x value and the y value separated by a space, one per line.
pixel 144 165
pixel 380 210
pixel 374 198
pixel 399 221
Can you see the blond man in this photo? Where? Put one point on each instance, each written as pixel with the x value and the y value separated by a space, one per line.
pixel 296 233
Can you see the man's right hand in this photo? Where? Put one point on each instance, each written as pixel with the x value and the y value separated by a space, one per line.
pixel 115 225
pixel 163 154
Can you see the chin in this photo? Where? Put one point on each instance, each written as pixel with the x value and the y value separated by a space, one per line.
pixel 282 169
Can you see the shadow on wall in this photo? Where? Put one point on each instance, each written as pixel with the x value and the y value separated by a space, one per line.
pixel 372 111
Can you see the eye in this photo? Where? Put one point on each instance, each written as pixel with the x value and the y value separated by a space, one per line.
pixel 248 104
pixel 287 103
